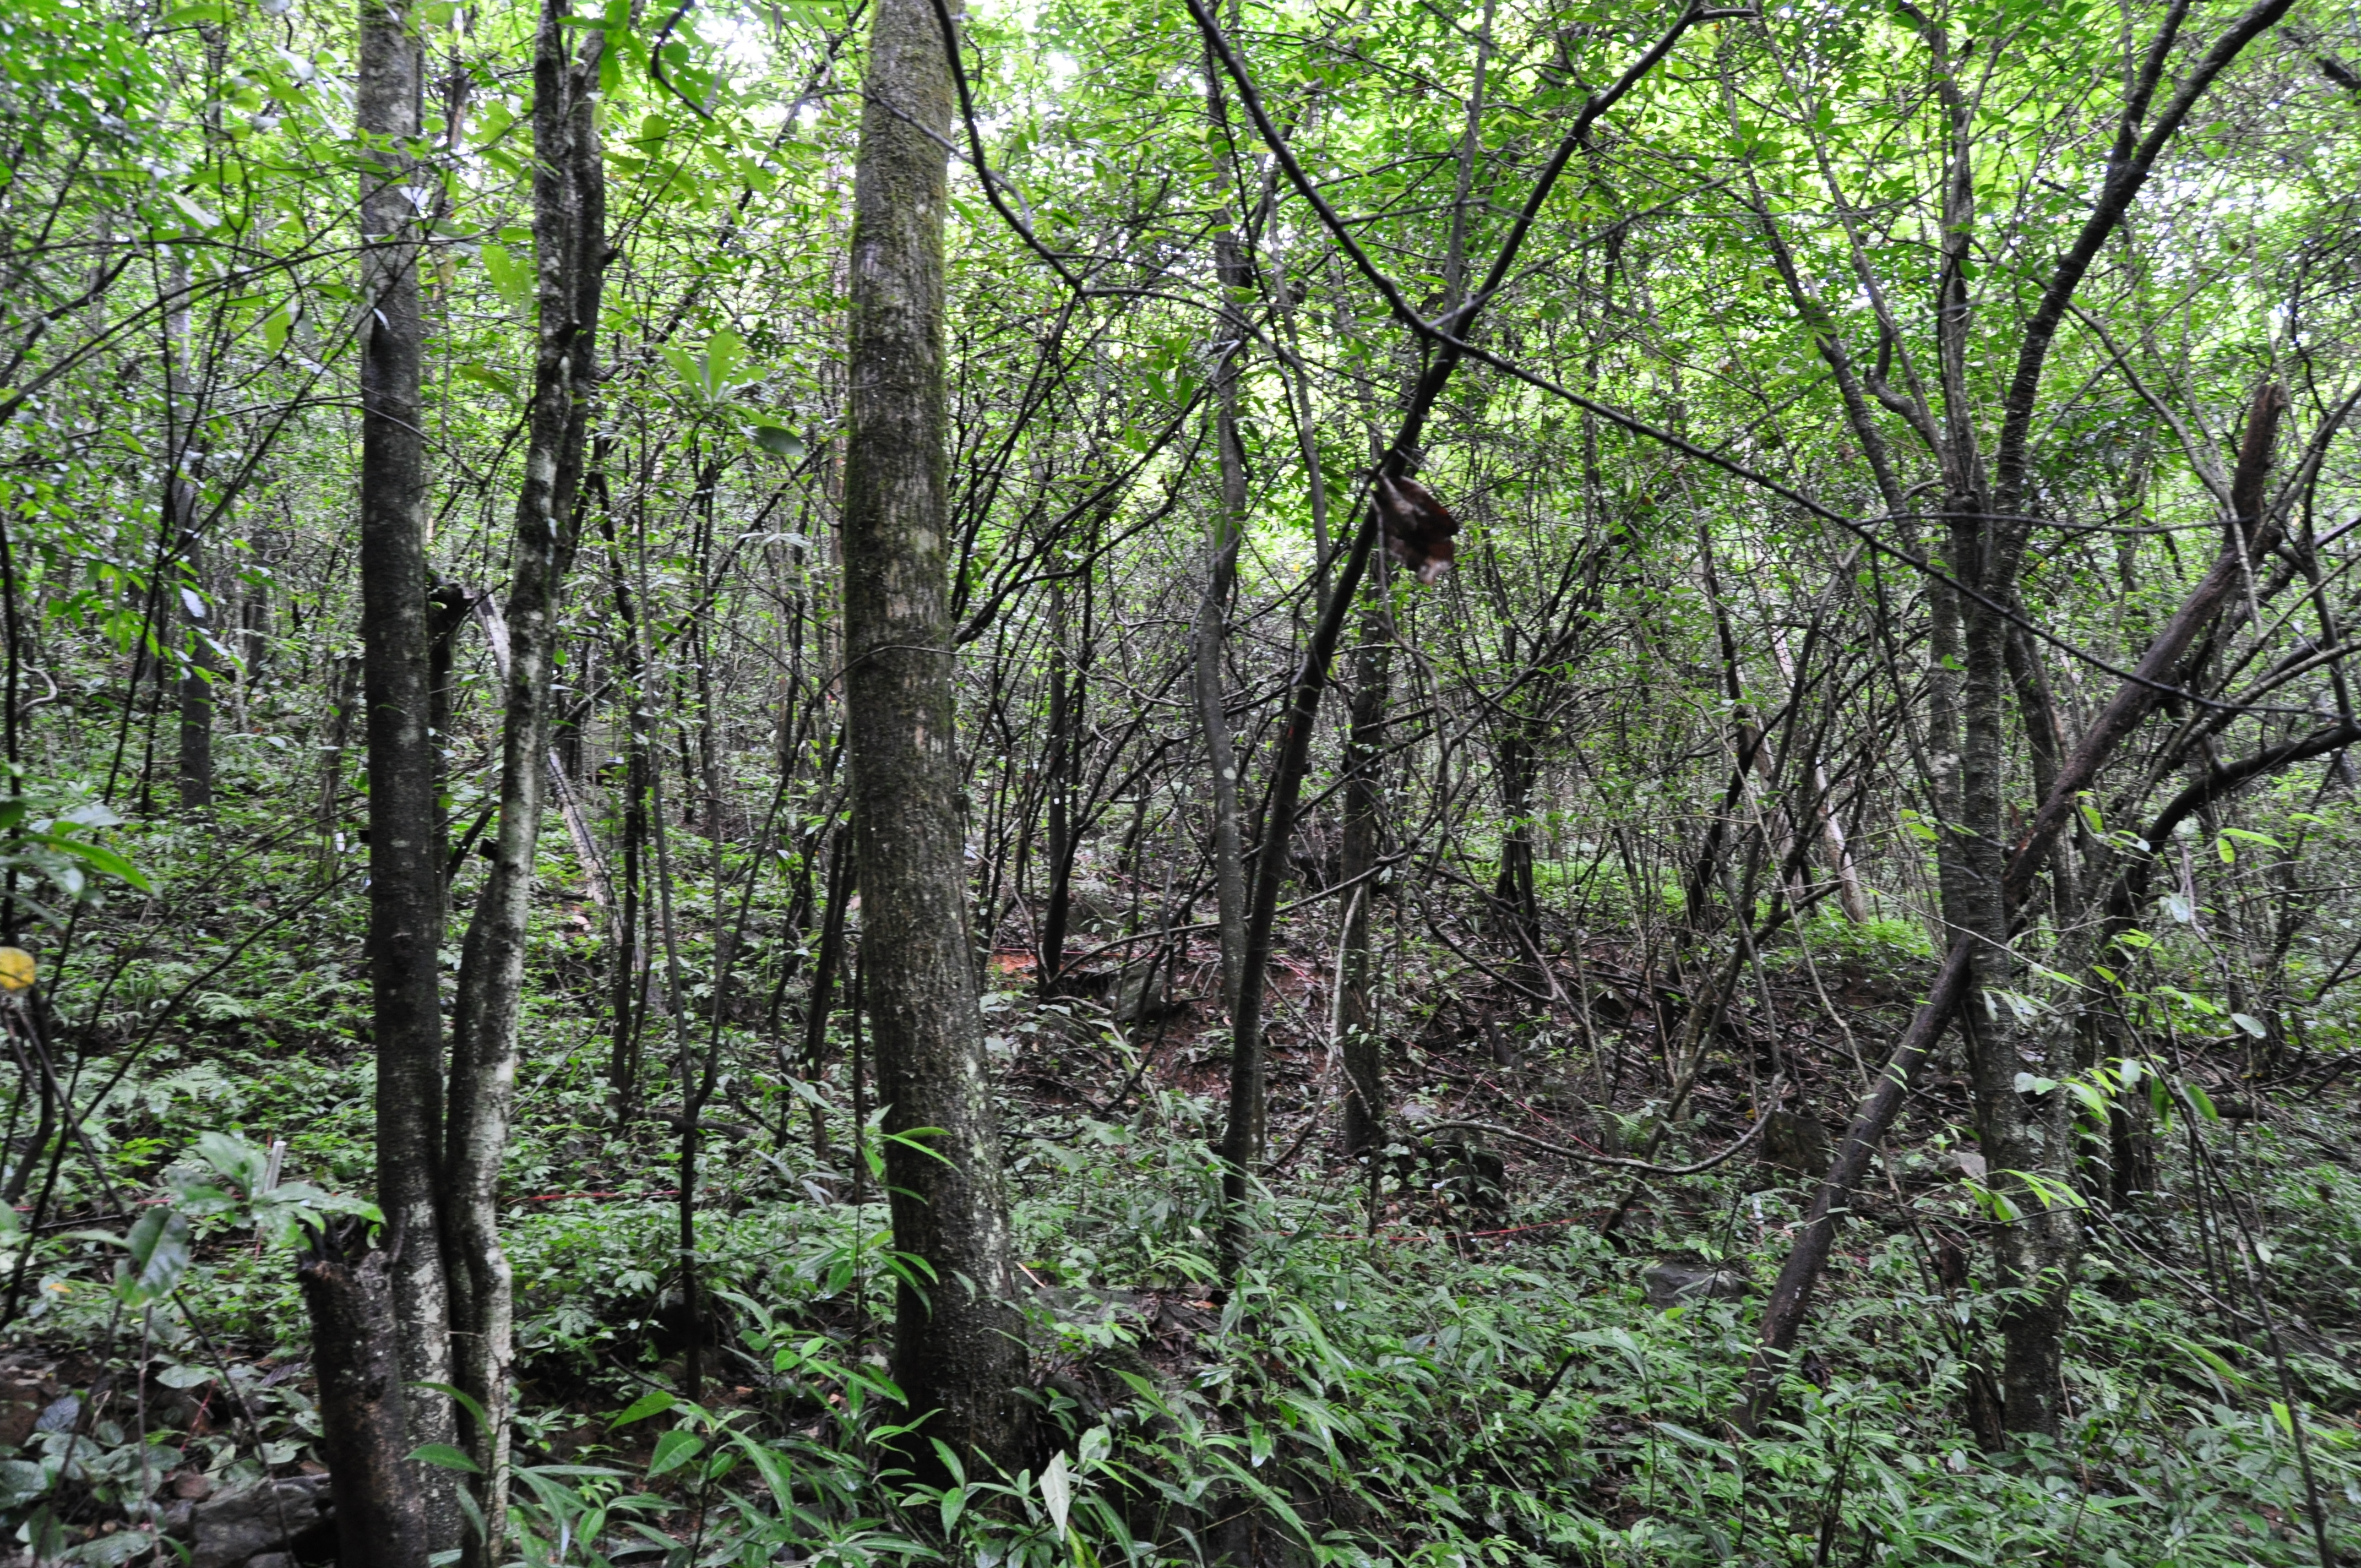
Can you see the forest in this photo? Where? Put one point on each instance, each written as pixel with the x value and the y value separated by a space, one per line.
pixel 1602 755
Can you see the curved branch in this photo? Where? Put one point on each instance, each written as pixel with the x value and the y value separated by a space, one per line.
pixel 2124 183
pixel 2130 889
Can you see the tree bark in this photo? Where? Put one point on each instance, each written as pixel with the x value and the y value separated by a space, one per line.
pixel 406 906
pixel 628 974
pixel 1206 649
pixel 958 1347
pixel 1064 715
pixel 1208 643
pixel 570 238
pixel 817 1004
pixel 446 611
pixel 381 1506
pixel 196 748
pixel 194 772
pixel 1363 1052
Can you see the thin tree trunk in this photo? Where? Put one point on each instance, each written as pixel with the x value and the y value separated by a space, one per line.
pixel 569 237
pixel 628 978
pixel 194 769
pixel 628 960
pixel 1513 894
pixel 823 982
pixel 446 611
pixel 406 906
pixel 1356 1013
pixel 1362 1050
pixel 1213 718
pixel 196 748
pixel 1849 896
pixel 195 760
pixel 1063 692
pixel 1208 642
pixel 958 1348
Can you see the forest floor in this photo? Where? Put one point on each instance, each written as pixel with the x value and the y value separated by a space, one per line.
pixel 1499 1356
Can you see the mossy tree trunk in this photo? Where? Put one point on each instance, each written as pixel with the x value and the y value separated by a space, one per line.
pixel 958 1350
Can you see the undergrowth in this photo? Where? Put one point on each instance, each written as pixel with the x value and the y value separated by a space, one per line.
pixel 1413 1396
pixel 1450 1385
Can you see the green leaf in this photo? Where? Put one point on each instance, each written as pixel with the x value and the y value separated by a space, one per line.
pixel 1697 1439
pixel 674 1449
pixel 198 214
pixel 1056 1490
pixel 443 1456
pixel 723 354
pixel 511 277
pixel 2248 1022
pixel 913 1140
pixel 777 441
pixel 158 1245
pixel 485 375
pixel 240 1162
pixel 21 1481
pixel 465 1400
pixel 709 375
pixel 1094 1447
pixel 644 1407
pixel 97 857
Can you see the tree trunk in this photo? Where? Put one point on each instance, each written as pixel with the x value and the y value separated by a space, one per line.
pixel 446 611
pixel 1213 717
pixel 1209 640
pixel 1064 694
pixel 196 749
pixel 629 965
pixel 628 972
pixel 1515 900
pixel 823 982
pixel 381 1508
pixel 405 879
pixel 1363 1052
pixel 570 238
pixel 195 760
pixel 2022 1135
pixel 958 1348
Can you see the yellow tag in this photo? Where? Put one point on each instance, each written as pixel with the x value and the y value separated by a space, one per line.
pixel 17 969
